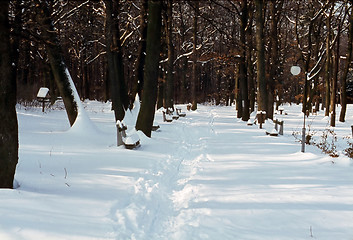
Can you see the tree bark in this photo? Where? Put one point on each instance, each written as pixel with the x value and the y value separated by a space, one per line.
pixel 59 69
pixel 273 56
pixel 118 93
pixel 328 65
pixel 146 115
pixel 243 74
pixel 262 96
pixel 238 96
pixel 195 58
pixel 335 79
pixel 346 68
pixel 250 69
pixel 8 118
pixel 138 80
pixel 169 97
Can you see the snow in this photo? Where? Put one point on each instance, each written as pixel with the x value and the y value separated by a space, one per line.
pixel 42 92
pixel 205 176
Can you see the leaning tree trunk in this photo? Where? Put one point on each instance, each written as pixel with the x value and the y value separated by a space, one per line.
pixel 146 115
pixel 262 97
pixel 346 69
pixel 61 74
pixel 8 118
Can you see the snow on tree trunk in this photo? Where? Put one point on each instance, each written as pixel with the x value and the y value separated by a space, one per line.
pixel 83 123
pixel 64 82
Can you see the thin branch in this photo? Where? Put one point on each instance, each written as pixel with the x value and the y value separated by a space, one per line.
pixel 69 13
pixel 96 57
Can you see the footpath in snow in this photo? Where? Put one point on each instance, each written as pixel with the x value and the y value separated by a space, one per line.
pixel 205 176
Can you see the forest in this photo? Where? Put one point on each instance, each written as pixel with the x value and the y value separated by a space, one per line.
pixel 169 52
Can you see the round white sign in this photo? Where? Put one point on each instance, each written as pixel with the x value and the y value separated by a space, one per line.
pixel 295 70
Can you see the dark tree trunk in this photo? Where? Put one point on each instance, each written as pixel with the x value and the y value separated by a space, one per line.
pixel 238 96
pixel 249 63
pixel 56 60
pixel 141 55
pixel 195 58
pixel 184 89
pixel 118 93
pixel 273 55
pixel 8 118
pixel 169 97
pixel 328 66
pixel 149 97
pixel 243 75
pixel 335 79
pixel 262 96
pixel 346 69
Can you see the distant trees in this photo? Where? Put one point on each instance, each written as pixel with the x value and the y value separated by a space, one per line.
pixel 216 51
pixel 8 118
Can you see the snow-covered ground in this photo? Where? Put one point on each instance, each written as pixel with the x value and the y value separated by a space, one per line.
pixel 205 176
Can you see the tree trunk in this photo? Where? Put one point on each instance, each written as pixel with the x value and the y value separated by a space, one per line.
pixel 250 69
pixel 8 118
pixel 273 56
pixel 262 96
pixel 335 79
pixel 149 97
pixel 183 68
pixel 118 93
pixel 169 97
pixel 328 67
pixel 195 58
pixel 238 96
pixel 141 55
pixel 243 75
pixel 346 69
pixel 59 69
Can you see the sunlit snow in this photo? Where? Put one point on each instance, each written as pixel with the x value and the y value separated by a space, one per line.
pixel 204 176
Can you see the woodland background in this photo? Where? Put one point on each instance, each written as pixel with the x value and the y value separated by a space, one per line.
pixel 311 34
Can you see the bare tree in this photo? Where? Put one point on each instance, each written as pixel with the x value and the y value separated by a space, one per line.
pixel 8 118
pixel 262 94
pixel 146 115
pixel 141 55
pixel 169 96
pixel 195 58
pixel 346 67
pixel 243 73
pixel 60 71
pixel 118 90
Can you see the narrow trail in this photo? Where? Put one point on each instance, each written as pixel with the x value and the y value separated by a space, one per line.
pixel 161 193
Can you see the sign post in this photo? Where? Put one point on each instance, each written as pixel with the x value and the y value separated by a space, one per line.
pixel 295 70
